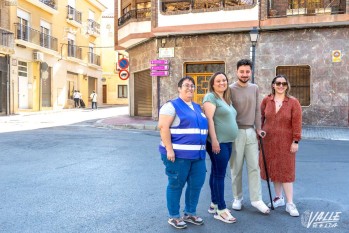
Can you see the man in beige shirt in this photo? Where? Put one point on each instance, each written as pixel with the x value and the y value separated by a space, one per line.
pixel 245 147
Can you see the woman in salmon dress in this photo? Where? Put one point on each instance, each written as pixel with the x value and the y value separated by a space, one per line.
pixel 282 122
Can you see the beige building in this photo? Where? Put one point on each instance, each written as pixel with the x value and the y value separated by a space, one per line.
pixel 115 88
pixel 56 52
pixel 305 40
pixel 6 51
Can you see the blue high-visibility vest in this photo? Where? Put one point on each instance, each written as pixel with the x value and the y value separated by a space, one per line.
pixel 189 137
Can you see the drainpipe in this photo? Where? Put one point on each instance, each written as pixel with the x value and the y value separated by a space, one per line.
pixel 8 86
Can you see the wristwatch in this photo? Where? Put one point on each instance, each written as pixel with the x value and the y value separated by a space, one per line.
pixel 295 142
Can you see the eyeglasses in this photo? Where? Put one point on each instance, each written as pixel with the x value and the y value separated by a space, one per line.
pixel 187 86
pixel 281 83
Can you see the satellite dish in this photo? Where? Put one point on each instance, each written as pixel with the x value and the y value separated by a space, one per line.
pixel 44 66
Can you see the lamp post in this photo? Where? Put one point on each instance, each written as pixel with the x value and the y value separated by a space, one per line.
pixel 254 37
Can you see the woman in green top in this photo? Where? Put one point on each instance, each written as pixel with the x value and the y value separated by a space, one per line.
pixel 222 131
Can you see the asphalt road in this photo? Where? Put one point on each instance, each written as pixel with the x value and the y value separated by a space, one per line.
pixel 78 178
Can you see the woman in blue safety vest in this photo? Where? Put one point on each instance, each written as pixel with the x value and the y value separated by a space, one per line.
pixel 183 130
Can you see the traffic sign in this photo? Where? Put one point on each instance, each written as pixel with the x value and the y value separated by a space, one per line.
pixel 123 63
pixel 124 74
pixel 160 62
pixel 159 68
pixel 159 73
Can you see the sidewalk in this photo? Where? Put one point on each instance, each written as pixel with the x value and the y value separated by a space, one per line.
pixel 146 123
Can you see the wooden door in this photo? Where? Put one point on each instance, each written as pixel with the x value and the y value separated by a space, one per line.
pixel 201 82
pixel 104 94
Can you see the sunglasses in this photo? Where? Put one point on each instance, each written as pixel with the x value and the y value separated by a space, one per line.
pixel 281 83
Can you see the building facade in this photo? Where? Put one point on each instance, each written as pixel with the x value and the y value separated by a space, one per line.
pixel 6 51
pixel 115 88
pixel 56 51
pixel 305 40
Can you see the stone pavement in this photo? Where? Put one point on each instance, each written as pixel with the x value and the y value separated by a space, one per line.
pixel 146 123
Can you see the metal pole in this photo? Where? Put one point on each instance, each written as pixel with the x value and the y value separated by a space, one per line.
pixel 8 100
pixel 253 59
pixel 266 171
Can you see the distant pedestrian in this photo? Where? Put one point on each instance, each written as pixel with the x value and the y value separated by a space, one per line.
pixel 93 98
pixel 81 101
pixel 245 148
pixel 282 122
pixel 76 96
pixel 183 130
pixel 223 130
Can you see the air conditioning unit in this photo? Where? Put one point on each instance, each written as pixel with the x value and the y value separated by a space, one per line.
pixel 70 16
pixel 38 56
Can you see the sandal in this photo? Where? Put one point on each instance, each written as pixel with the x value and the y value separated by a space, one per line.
pixel 228 218
pixel 177 223
pixel 193 219
pixel 213 208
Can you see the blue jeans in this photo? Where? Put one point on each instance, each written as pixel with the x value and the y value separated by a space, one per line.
pixel 218 171
pixel 179 172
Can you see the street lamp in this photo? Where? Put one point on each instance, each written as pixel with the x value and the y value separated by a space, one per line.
pixel 254 37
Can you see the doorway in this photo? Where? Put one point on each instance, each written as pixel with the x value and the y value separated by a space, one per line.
pixel 201 73
pixel 104 94
pixel 23 101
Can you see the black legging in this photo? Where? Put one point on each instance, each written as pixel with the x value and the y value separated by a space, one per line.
pixel 76 102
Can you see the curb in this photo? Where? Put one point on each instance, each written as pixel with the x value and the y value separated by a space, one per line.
pixel 127 126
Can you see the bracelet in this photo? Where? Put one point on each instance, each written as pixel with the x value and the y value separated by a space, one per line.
pixel 295 142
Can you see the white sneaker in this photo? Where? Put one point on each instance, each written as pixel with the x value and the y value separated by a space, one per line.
pixel 261 206
pixel 292 209
pixel 237 204
pixel 278 201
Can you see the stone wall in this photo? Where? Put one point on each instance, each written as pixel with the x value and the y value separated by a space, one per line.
pixel 313 47
pixel 329 81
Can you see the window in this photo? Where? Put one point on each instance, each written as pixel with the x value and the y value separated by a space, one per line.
pixel 22 69
pixel 23 25
pixel 126 9
pixel 45 28
pixel 122 91
pixel 299 77
pixel 204 67
pixel 71 48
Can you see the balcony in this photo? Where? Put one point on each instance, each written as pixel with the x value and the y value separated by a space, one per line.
pixel 6 41
pixel 36 39
pixel 73 16
pixel 93 28
pixel 74 51
pixel 47 5
pixel 94 59
pixel 194 6
pixel 286 8
pixel 136 15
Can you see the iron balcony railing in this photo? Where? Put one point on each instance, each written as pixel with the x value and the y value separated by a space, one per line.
pixel 74 51
pixel 50 3
pixel 6 38
pixel 94 59
pixel 93 26
pixel 36 37
pixel 285 8
pixel 144 13
pixel 73 14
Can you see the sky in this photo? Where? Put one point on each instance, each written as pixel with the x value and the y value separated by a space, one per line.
pixel 109 4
